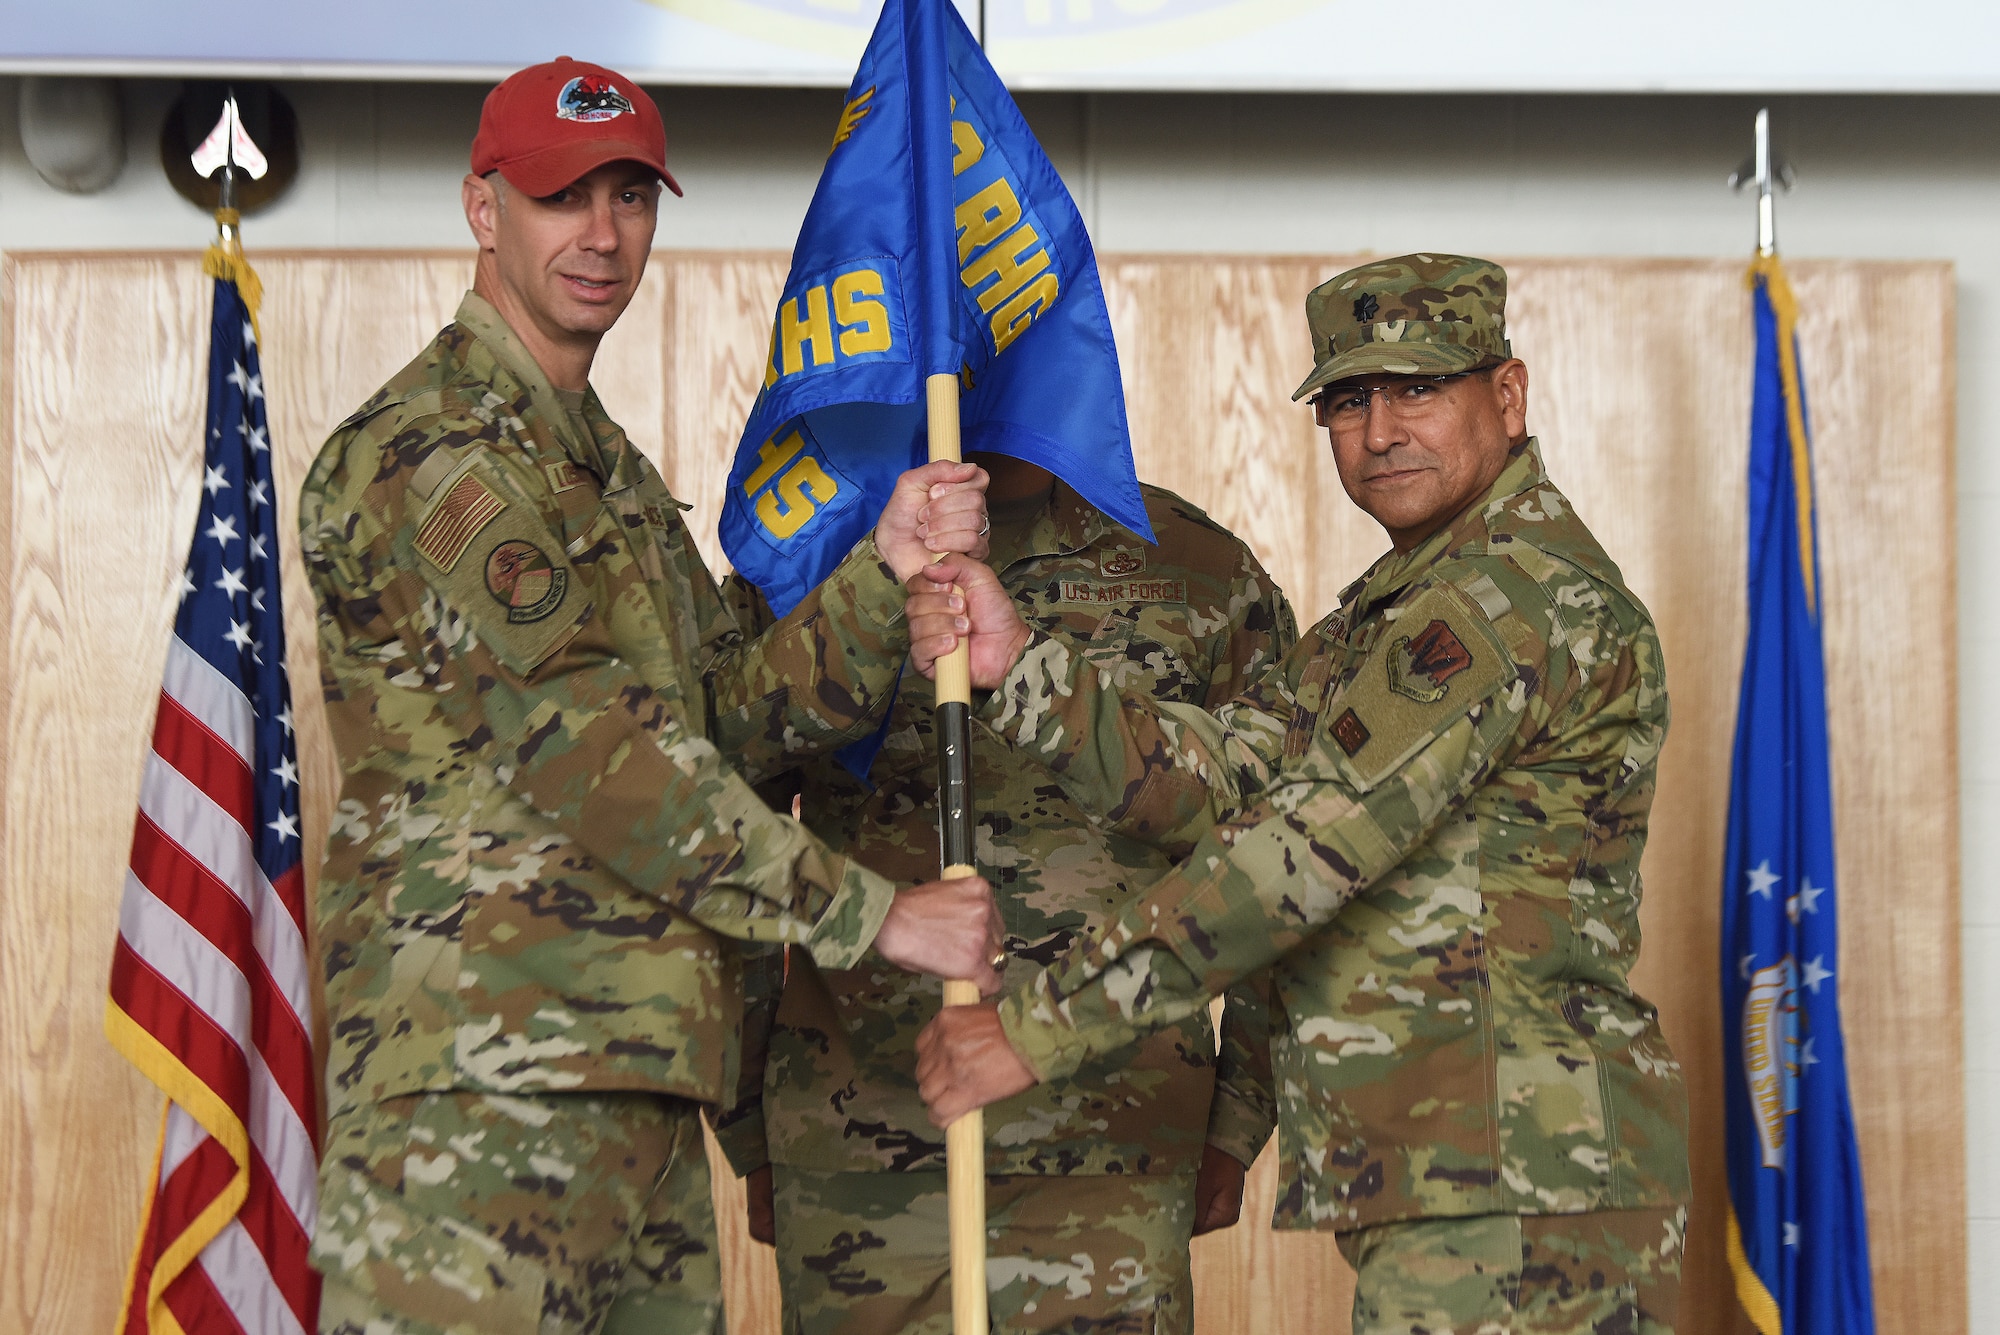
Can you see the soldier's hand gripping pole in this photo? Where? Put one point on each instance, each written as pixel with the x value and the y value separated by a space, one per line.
pixel 965 1139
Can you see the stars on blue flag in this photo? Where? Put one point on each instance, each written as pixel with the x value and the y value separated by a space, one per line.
pixel 231 613
pixel 1798 1235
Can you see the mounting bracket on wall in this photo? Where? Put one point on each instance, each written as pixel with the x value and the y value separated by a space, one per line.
pixel 73 131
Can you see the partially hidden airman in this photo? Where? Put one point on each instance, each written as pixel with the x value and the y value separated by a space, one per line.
pixel 1096 1179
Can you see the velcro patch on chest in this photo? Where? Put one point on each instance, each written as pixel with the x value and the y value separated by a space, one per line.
pixel 456 519
pixel 1104 592
pixel 1430 666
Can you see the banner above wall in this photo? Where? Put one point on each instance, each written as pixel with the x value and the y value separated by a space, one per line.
pixel 1856 46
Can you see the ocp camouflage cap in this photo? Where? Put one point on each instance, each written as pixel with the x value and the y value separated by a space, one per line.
pixel 1413 315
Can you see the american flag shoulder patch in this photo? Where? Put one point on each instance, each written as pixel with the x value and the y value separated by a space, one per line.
pixel 468 507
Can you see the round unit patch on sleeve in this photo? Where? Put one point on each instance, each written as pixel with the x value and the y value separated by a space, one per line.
pixel 523 579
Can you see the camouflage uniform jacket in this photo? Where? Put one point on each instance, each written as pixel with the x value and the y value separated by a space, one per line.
pixel 537 853
pixel 1194 619
pixel 1427 825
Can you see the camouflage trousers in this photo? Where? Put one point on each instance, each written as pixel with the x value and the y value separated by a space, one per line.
pixel 547 1214
pixel 1611 1272
pixel 868 1253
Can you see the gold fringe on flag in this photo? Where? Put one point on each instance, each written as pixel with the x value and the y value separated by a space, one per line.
pixel 224 260
pixel 1786 307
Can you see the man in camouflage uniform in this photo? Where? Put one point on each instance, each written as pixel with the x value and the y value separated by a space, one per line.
pixel 1426 823
pixel 538 857
pixel 1093 1178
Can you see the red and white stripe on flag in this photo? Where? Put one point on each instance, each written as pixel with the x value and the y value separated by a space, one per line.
pixel 210 989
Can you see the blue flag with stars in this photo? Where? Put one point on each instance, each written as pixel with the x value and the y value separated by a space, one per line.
pixel 1798 1226
pixel 940 240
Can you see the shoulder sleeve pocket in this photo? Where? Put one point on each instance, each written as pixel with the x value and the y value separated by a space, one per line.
pixel 487 552
pixel 1437 660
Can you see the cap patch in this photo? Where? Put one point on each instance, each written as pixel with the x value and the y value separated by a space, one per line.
pixel 1421 665
pixel 1365 307
pixel 588 98
pixel 523 580
pixel 452 523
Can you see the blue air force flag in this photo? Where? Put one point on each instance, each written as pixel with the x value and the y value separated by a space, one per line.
pixel 940 240
pixel 1797 1230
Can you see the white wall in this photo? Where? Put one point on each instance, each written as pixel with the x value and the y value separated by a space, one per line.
pixel 1879 177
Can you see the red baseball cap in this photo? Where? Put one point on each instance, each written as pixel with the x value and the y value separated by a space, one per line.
pixel 547 125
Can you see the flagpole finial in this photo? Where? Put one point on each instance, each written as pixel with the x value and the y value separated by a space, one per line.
pixel 229 149
pixel 1769 172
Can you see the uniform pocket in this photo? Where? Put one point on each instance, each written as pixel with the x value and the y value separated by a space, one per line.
pixel 1125 646
pixel 441 1271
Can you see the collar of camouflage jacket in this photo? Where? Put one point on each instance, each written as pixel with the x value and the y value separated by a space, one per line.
pixel 1067 524
pixel 606 456
pixel 1396 571
pixel 1070 524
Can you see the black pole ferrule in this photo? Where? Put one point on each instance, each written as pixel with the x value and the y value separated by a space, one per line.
pixel 955 814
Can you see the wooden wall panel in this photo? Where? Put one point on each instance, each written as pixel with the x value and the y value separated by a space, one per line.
pixel 99 486
pixel 1640 390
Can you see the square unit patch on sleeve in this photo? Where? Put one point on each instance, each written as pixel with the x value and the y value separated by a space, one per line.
pixel 1351 733
pixel 453 522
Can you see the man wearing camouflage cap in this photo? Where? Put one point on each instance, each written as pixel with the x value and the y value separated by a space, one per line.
pixel 1426 822
pixel 540 869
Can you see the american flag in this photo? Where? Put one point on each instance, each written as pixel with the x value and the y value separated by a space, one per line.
pixel 209 984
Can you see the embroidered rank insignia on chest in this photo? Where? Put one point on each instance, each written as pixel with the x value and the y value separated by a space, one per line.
pixel 1117 565
pixel 1351 733
pixel 523 580
pixel 563 476
pixel 1420 665
pixel 454 521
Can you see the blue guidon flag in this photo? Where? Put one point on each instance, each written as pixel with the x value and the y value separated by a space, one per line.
pixel 1798 1226
pixel 940 240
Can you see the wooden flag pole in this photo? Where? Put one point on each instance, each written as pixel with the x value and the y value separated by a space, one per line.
pixel 965 1139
